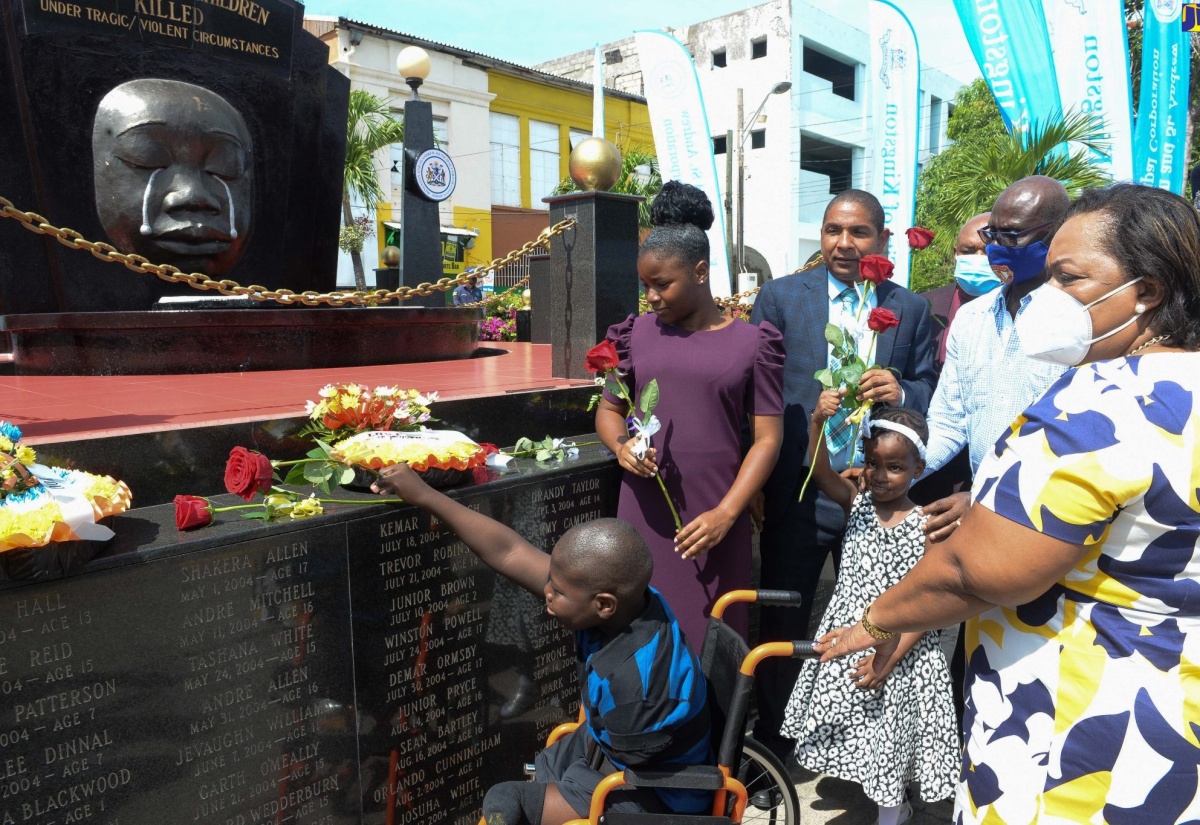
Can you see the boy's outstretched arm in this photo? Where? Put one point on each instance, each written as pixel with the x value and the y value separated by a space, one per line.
pixel 497 546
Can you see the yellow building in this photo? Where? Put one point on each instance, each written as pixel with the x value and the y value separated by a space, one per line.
pixel 508 128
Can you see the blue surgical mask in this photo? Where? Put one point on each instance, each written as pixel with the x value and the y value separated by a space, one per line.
pixel 1018 263
pixel 975 275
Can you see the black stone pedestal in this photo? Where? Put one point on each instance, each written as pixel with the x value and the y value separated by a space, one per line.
pixel 387 277
pixel 539 299
pixel 594 281
pixel 524 325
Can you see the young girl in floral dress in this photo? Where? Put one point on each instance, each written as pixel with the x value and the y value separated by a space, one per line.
pixel 882 726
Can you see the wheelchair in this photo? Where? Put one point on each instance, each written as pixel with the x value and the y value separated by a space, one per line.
pixel 749 782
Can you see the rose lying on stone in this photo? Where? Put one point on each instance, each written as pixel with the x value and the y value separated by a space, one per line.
pixel 248 472
pixel 192 511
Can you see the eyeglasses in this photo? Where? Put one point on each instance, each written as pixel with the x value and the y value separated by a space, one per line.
pixel 1010 239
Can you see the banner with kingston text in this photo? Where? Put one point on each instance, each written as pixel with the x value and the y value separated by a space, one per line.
pixel 1091 62
pixel 894 81
pixel 1012 48
pixel 681 134
pixel 1159 153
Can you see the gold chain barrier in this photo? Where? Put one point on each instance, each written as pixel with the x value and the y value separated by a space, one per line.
pixel 107 252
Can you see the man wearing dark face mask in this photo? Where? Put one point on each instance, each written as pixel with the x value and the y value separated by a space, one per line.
pixel 987 380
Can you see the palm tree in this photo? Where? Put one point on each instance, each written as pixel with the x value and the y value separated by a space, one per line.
pixel 370 126
pixel 1043 149
pixel 639 176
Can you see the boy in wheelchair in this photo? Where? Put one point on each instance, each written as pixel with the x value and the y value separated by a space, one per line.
pixel 644 694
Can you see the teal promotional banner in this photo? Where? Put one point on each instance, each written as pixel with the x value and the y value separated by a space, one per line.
pixel 1159 152
pixel 1091 60
pixel 1012 48
pixel 681 134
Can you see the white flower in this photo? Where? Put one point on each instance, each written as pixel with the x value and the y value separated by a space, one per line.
pixel 328 391
pixel 599 380
pixel 639 446
pixel 309 407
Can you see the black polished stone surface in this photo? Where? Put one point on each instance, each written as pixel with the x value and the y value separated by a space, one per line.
pixel 159 465
pixel 539 299
pixel 421 241
pixel 239 340
pixel 61 58
pixel 358 666
pixel 594 281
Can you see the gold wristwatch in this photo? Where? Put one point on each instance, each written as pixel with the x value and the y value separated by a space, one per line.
pixel 874 630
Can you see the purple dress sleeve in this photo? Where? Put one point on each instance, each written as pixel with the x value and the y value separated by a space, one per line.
pixel 619 335
pixel 764 395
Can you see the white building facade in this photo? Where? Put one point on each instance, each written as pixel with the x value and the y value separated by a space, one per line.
pixel 809 143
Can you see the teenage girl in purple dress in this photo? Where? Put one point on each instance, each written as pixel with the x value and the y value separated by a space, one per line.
pixel 714 372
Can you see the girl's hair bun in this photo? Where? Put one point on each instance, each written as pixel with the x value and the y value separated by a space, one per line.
pixel 681 203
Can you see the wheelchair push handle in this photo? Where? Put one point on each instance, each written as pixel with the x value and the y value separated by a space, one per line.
pixel 770 598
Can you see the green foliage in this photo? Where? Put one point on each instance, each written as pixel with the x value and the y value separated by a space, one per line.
pixel 630 182
pixel 966 178
pixel 548 449
pixel 321 469
pixel 370 126
pixel 352 236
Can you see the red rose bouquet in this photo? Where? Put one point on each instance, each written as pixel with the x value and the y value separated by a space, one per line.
pixel 847 363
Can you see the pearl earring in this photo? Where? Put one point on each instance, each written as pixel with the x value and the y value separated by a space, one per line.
pixel 1139 307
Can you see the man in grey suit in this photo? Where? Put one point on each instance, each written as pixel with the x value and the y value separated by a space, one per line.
pixel 797 535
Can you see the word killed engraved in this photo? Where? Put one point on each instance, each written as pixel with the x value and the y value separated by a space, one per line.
pixel 202 698
pixel 255 31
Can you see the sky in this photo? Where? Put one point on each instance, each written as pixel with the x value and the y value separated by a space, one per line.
pixel 533 31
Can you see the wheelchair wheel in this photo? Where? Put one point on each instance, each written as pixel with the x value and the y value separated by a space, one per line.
pixel 772 794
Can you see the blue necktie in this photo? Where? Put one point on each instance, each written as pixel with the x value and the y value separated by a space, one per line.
pixel 838 430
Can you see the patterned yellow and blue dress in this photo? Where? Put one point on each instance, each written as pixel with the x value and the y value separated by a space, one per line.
pixel 1084 704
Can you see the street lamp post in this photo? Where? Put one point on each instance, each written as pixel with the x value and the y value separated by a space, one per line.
pixel 743 132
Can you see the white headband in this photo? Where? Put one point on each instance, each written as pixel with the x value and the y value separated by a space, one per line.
pixel 907 432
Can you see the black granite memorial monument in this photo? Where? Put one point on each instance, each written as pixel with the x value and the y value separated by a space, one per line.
pixel 208 135
pixel 346 668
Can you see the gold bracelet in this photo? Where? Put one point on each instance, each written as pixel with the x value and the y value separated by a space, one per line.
pixel 874 630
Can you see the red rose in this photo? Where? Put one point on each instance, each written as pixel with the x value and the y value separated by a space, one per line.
pixel 882 320
pixel 248 472
pixel 602 357
pixel 488 448
pixel 192 511
pixel 919 238
pixel 875 268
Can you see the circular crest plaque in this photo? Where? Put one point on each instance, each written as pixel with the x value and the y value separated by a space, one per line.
pixel 435 175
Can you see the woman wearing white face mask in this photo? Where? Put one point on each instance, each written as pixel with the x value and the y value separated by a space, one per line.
pixel 1079 563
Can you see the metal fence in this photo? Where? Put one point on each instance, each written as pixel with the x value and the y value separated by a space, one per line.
pixel 510 275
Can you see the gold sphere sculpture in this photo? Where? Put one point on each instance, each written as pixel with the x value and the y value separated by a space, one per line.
pixel 390 256
pixel 595 165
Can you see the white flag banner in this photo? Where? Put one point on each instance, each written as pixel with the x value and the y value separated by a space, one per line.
pixel 894 80
pixel 1091 62
pixel 681 135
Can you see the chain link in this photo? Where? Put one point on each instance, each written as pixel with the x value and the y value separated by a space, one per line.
pixel 734 300
pixel 107 252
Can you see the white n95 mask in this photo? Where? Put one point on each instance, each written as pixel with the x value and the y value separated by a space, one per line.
pixel 1057 327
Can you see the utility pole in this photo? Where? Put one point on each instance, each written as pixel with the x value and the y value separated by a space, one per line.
pixel 729 251
pixel 741 207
